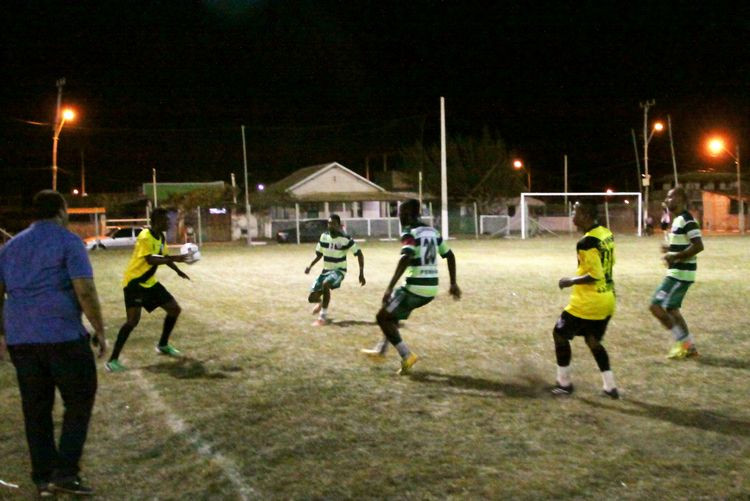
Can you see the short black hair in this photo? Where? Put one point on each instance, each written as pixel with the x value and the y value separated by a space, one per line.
pixel 160 211
pixel 47 204
pixel 589 207
pixel 335 217
pixel 410 207
pixel 679 191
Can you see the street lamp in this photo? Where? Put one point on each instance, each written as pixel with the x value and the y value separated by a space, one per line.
pixel 658 127
pixel 716 146
pixel 518 165
pixel 67 114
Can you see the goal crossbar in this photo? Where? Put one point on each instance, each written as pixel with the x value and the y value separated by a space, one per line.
pixel 581 194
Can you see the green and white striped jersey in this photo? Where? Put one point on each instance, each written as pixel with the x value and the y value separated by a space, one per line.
pixel 334 248
pixel 422 244
pixel 684 227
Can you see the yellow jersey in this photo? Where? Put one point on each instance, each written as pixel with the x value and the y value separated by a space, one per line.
pixel 596 256
pixel 138 270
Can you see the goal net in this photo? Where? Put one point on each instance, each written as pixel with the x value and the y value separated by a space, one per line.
pixel 550 213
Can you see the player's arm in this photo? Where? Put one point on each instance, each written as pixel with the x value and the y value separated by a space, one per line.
pixel 85 290
pixel 3 346
pixel 591 263
pixel 318 255
pixel 361 261
pixel 403 263
pixel 454 290
pixel 696 246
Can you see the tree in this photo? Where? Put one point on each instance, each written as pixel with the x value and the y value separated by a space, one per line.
pixel 479 169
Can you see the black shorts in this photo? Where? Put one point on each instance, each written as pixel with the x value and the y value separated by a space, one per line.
pixel 148 298
pixel 570 326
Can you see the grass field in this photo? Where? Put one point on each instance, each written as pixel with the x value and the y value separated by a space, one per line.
pixel 265 406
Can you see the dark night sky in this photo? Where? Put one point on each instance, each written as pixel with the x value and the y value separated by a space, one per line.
pixel 168 84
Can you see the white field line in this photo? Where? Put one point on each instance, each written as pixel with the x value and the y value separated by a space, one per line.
pixel 203 448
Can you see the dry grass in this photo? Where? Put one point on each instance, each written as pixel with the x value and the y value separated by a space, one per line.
pixel 266 406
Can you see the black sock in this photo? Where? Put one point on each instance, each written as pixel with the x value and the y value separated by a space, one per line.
pixel 122 337
pixel 601 357
pixel 169 323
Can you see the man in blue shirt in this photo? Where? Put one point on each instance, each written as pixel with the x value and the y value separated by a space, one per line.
pixel 46 282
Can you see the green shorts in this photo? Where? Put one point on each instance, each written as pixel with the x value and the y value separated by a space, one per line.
pixel 331 277
pixel 402 303
pixel 670 293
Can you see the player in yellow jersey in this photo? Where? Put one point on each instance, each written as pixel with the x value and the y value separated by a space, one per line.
pixel 142 290
pixel 592 300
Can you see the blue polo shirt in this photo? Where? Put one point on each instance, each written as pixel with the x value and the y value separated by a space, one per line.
pixel 37 267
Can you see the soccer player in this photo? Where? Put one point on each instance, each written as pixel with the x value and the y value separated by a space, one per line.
pixel 680 256
pixel 420 246
pixel 142 290
pixel 592 300
pixel 333 247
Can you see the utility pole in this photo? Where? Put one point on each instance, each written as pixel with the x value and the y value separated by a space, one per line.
pixel 671 145
pixel 83 176
pixel 646 176
pixel 60 83
pixel 247 193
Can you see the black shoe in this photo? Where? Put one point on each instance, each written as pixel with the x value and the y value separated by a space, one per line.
pixel 559 389
pixel 71 485
pixel 613 393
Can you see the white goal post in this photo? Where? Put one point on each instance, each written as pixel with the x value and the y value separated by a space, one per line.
pixel 524 208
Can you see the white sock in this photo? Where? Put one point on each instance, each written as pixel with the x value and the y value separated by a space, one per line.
pixel 677 333
pixel 323 313
pixel 563 376
pixel 382 346
pixel 608 378
pixel 402 349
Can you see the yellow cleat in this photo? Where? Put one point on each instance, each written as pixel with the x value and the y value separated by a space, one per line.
pixel 682 350
pixel 407 363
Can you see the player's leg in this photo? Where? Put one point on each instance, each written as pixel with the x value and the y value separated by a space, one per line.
pixel 688 343
pixel 332 280
pixel 173 311
pixel 316 293
pixel 564 330
pixel 133 314
pixel 399 307
pixel 665 306
pixel 594 335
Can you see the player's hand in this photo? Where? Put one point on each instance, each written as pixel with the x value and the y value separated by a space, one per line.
pixel 565 282
pixel 670 258
pixel 387 296
pixel 181 258
pixel 99 342
pixel 3 348
pixel 362 280
pixel 182 274
pixel 307 270
pixel 455 291
pixel 665 248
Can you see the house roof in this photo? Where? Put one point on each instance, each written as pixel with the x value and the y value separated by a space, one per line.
pixel 729 194
pixel 307 174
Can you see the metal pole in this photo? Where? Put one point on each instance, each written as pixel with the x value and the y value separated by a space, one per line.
pixel 740 203
pixel 565 188
pixel 234 189
pixel 443 172
pixel 247 194
pixel 523 217
pixel 83 175
pixel 200 227
pixel 296 217
pixel 153 181
pixel 54 160
pixel 606 211
pixel 646 138
pixel 56 131
pixel 637 163
pixel 420 192
pixel 671 145
pixel 476 222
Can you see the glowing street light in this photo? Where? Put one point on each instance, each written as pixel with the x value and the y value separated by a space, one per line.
pixel 518 165
pixel 657 127
pixel 67 115
pixel 717 146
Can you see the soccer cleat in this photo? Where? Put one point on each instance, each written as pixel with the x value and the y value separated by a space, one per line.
pixel 316 309
pixel 682 350
pixel 320 322
pixel 71 485
pixel 373 354
pixel 613 393
pixel 43 491
pixel 168 350
pixel 559 389
pixel 407 363
pixel 114 366
pixel 692 352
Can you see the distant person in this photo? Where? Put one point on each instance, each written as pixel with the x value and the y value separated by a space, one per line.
pixel 665 219
pixel 592 300
pixel 189 234
pixel 333 247
pixel 142 290
pixel 46 274
pixel 421 245
pixel 684 243
pixel 650 225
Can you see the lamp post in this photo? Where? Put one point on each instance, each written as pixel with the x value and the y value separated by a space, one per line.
pixel 717 146
pixel 67 114
pixel 518 165
pixel 658 127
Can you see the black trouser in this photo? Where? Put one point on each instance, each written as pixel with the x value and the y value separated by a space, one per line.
pixel 40 368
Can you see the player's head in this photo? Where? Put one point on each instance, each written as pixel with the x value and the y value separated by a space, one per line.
pixel 408 212
pixel 585 214
pixel 334 222
pixel 676 200
pixel 49 204
pixel 160 219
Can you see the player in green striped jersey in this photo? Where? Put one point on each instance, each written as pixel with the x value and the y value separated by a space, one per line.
pixel 421 245
pixel 332 247
pixel 680 256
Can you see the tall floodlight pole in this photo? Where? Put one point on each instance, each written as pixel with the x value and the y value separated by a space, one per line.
pixel 443 172
pixel 66 115
pixel 646 138
pixel 671 145
pixel 153 182
pixel 247 194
